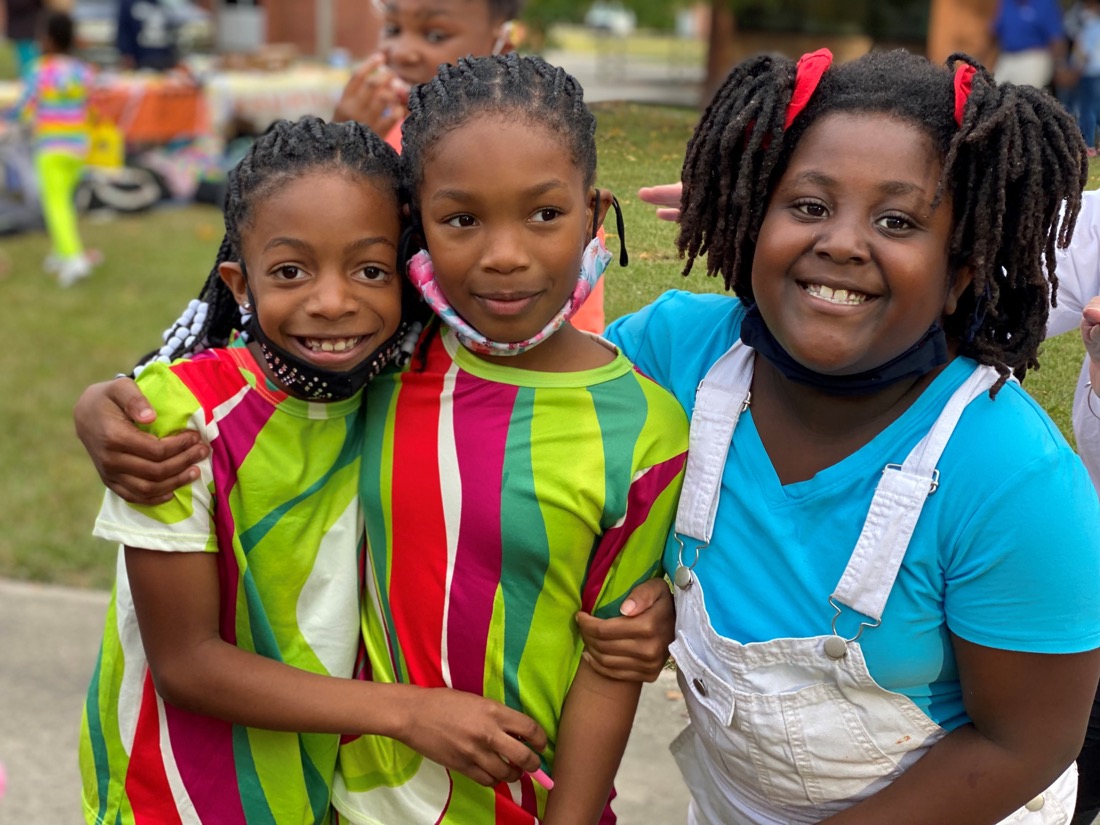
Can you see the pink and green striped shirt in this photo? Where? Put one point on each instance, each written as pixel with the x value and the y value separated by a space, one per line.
pixel 277 502
pixel 499 502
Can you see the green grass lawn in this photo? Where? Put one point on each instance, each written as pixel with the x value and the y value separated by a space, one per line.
pixel 59 341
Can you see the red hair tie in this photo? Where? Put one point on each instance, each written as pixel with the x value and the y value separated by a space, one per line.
pixel 807 74
pixel 964 82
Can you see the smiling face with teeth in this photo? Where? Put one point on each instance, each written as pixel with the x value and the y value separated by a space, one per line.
pixel 321 256
pixel 851 264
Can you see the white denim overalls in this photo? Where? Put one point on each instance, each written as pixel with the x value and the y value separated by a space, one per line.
pixel 794 730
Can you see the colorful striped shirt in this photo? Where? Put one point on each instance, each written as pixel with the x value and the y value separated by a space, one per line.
pixel 55 103
pixel 278 503
pixel 499 502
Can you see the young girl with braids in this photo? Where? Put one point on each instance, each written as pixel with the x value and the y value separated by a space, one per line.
pixel 519 471
pixel 417 37
pixel 884 557
pixel 225 680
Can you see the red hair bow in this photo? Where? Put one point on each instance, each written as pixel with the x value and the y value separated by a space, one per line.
pixel 807 74
pixel 964 82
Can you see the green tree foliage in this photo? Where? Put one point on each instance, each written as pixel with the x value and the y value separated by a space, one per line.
pixel 655 14
pixel 539 15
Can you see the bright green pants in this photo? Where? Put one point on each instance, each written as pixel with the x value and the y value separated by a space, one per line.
pixel 58 175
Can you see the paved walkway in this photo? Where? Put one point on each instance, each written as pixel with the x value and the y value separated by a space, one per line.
pixel 48 647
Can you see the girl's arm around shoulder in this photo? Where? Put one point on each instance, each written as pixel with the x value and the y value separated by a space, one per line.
pixel 595 726
pixel 180 519
pixel 112 419
pixel 176 597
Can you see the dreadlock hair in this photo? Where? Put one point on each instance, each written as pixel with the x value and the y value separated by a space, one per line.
pixel 1014 171
pixel 515 87
pixel 286 152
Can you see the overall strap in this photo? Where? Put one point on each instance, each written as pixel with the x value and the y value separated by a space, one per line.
pixel 899 498
pixel 719 400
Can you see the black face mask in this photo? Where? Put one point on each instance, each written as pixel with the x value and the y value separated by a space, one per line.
pixel 921 358
pixel 304 380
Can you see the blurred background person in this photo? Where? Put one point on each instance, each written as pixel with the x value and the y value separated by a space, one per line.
pixel 21 28
pixel 1086 55
pixel 147 35
pixel 1067 72
pixel 55 106
pixel 1031 39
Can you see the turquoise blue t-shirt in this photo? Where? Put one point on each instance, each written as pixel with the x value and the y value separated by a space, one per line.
pixel 1005 553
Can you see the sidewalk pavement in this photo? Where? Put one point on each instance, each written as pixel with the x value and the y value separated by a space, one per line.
pixel 49 646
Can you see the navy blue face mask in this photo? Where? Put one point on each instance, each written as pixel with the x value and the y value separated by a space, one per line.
pixel 921 358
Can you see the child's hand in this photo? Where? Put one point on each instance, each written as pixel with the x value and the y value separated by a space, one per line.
pixel 633 647
pixel 666 197
pixel 374 96
pixel 139 467
pixel 485 740
pixel 1090 334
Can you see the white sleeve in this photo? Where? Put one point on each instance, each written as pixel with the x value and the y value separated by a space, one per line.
pixel 1078 268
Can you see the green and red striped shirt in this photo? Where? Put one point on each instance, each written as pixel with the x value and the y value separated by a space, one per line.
pixel 499 502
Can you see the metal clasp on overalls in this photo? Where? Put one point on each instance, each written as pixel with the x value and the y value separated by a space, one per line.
pixel 683 577
pixel 836 646
pixel 935 484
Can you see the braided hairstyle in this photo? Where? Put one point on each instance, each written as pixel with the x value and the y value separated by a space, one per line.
pixel 1014 169
pixel 516 87
pixel 508 85
pixel 286 152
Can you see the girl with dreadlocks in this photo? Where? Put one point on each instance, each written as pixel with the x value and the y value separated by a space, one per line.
pixel 224 679
pixel 870 627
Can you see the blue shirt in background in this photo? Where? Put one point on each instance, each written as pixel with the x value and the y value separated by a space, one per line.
pixel 147 34
pixel 1027 24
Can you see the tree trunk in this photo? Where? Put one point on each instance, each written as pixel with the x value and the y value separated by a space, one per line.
pixel 961 26
pixel 721 51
